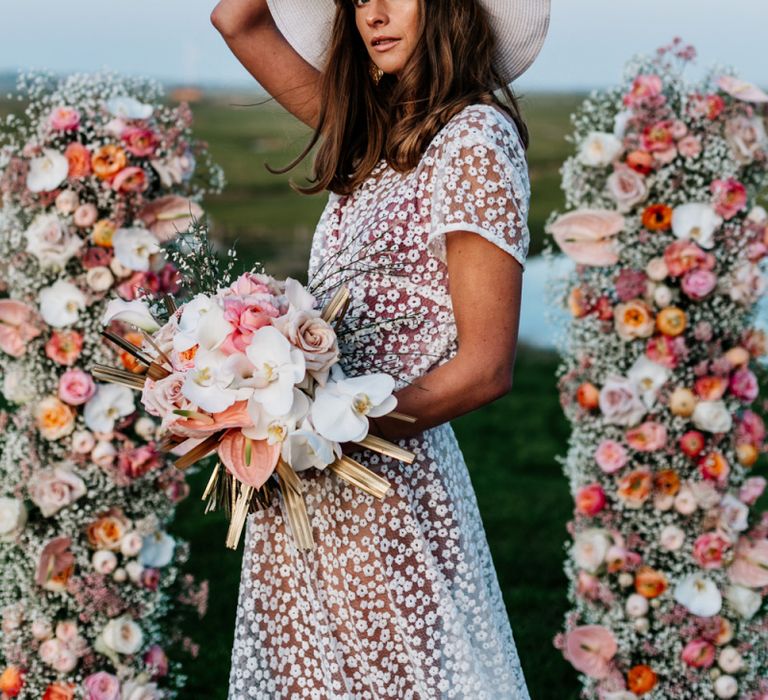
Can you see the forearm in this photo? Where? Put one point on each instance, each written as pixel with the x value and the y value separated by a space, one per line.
pixel 233 17
pixel 457 387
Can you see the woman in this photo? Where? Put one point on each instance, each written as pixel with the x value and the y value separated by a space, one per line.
pixel 428 183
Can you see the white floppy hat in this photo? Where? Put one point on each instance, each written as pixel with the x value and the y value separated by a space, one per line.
pixel 520 27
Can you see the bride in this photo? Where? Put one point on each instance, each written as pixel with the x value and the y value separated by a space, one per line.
pixel 426 224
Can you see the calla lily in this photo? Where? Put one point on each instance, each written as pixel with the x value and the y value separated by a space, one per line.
pixel 590 649
pixel 741 89
pixel 276 428
pixel 209 384
pixel 202 323
pixel 134 248
pixel 134 312
pixel 61 304
pixel 342 407
pixel 110 403
pixel 250 461
pixel 587 236
pixel 277 368
pixel 305 449
pixel 699 595
pixel 128 108
pixel 696 221
pixel 168 216
pixel 47 172
pixel 17 327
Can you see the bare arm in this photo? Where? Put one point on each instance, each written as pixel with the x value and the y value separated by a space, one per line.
pixel 250 32
pixel 485 287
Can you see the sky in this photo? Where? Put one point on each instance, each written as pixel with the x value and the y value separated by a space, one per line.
pixel 173 40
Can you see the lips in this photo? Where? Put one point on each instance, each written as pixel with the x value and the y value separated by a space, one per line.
pixel 384 40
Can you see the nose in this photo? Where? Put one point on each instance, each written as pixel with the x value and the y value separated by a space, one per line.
pixel 376 15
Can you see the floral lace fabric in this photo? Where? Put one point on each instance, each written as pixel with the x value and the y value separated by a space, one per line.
pixel 399 598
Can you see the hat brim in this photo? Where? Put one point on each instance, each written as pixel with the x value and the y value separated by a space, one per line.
pixel 520 27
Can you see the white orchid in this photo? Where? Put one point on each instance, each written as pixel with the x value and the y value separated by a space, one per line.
pixel 128 108
pixel 61 304
pixel 157 550
pixel 600 149
pixel 696 221
pixel 276 428
pixel 135 312
pixel 134 248
pixel 110 403
pixel 305 449
pixel 47 172
pixel 699 595
pixel 277 368
pixel 50 242
pixel 744 601
pixel 342 407
pixel 202 323
pixel 13 517
pixel 649 376
pixel 210 382
pixel 299 299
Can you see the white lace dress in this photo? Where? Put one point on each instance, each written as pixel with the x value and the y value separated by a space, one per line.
pixel 399 599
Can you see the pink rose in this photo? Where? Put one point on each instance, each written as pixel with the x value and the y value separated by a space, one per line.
pixel 647 437
pixel 699 653
pixel 85 215
pixel 130 179
pixel 55 488
pixel 689 147
pixel 643 88
pixel 697 284
pixel 626 187
pixel 102 686
pixel 139 141
pixel 250 284
pixel 743 385
pixel 246 318
pixel 587 236
pixel 64 119
pixel 138 461
pixel 730 197
pixel 620 402
pixel 76 387
pixel 590 499
pixel 709 549
pixel 752 489
pixel 160 398
pixel 64 347
pixel 611 456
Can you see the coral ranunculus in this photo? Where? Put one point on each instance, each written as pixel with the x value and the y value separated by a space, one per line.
pixel 59 691
pixel 588 396
pixel 647 437
pixel 79 158
pixel 671 321
pixel 650 583
pixel 730 197
pixel 635 488
pixel 641 679
pixel 657 217
pixel 590 499
pixel 11 681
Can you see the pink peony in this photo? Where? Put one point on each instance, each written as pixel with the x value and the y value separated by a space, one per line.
pixel 590 499
pixel 697 284
pixel 130 179
pixel 689 147
pixel 658 138
pixel 138 461
pixel 611 456
pixel 752 489
pixel 64 347
pixel 102 686
pixel 139 141
pixel 730 197
pixel 76 387
pixel 18 325
pixel 64 119
pixel 750 564
pixel 744 386
pixel 246 319
pixel 684 256
pixel 643 87
pixel 699 653
pixel 709 549
pixel 590 649
pixel 647 437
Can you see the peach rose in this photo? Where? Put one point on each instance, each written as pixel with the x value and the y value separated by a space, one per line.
pixel 709 550
pixel 79 159
pixel 54 418
pixel 633 319
pixel 587 236
pixel 11 681
pixel 635 488
pixel 671 321
pixel 64 347
pixel 55 488
pixel 107 531
pixel 750 565
pixel 647 437
pixel 108 160
pixel 19 324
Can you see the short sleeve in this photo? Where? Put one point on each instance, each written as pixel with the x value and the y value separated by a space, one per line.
pixel 480 183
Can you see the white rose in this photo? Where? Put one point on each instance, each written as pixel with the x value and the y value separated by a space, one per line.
pixel 671 538
pixel 712 416
pixel 636 605
pixel 758 215
pixel 626 187
pixel 726 687
pixel 61 304
pixel 47 172
pixel 13 518
pixel 157 550
pixel 145 428
pixel 744 601
pixel 134 570
pixel 103 453
pixel 730 660
pixel 699 595
pixel 131 544
pixel 82 442
pixel 649 377
pixel 600 149
pixel 49 650
pixel 657 269
pixel 746 136
pixel 134 248
pixel 54 488
pixel 133 690
pixel 16 385
pixel 685 501
pixel 104 561
pixel 67 201
pixel 122 635
pixel 49 240
pixel 642 625
pixel 619 401
pixel 662 296
pixel 590 548
pixel 99 279
pixel 119 575
pixel 734 515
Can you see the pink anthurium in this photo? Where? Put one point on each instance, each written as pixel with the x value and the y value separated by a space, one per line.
pixel 250 461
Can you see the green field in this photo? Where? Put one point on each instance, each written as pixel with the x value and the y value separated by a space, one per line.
pixel 509 446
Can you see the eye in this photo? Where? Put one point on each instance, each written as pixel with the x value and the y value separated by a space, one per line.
pixel 359 3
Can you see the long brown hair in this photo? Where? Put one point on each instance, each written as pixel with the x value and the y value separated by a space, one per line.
pixel 361 122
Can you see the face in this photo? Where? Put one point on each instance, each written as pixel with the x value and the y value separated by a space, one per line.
pixel 389 29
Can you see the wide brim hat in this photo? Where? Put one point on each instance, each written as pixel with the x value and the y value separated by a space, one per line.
pixel 520 27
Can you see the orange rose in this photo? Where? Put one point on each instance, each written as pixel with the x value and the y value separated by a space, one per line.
pixel 747 454
pixel 54 418
pixel 103 230
pixel 79 158
pixel 633 319
pixel 58 691
pixel 641 679
pixel 657 217
pixel 650 583
pixel 107 531
pixel 671 321
pixel 108 161
pixel 11 681
pixel 667 481
pixel 588 396
pixel 635 488
pixel 128 360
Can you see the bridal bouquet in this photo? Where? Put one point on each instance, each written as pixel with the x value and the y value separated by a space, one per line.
pixel 251 372
pixel 95 175
pixel 669 559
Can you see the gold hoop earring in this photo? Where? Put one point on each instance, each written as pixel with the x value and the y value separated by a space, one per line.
pixel 375 72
